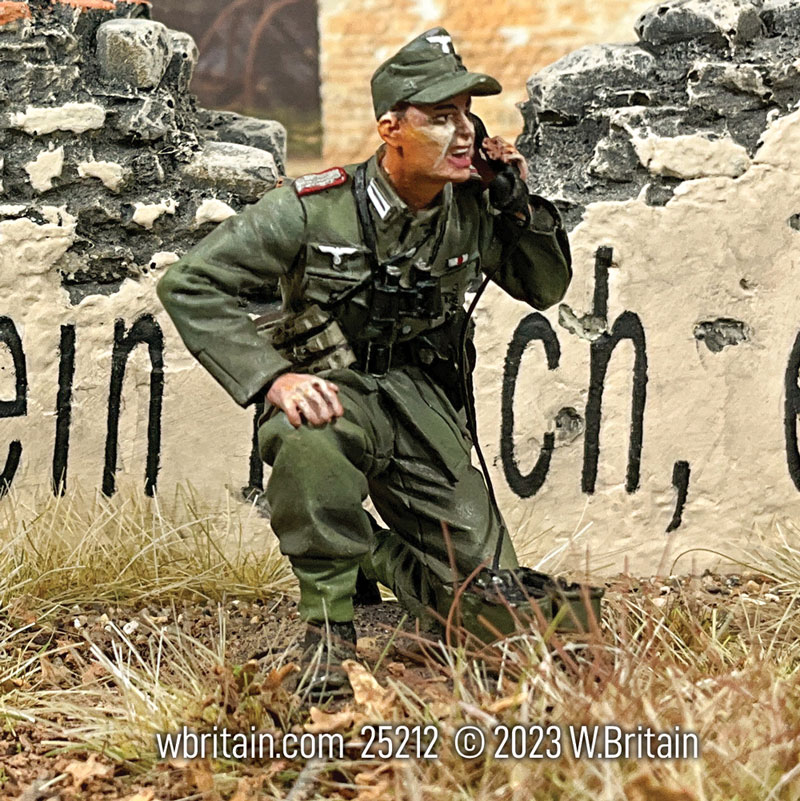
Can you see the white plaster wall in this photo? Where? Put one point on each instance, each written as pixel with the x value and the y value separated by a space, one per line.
pixel 205 436
pixel 675 266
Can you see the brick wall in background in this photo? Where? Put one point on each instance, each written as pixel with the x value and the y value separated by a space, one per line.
pixel 508 39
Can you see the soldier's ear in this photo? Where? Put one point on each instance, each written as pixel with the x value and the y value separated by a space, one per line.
pixel 389 128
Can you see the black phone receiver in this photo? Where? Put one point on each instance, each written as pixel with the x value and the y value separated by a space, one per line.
pixel 480 159
pixel 507 190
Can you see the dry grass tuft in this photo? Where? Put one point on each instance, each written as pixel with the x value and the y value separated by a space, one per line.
pixel 87 547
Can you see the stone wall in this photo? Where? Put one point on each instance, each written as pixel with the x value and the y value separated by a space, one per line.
pixel 504 38
pixel 108 172
pixel 655 410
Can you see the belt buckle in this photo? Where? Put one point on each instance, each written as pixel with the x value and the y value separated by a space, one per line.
pixel 378 358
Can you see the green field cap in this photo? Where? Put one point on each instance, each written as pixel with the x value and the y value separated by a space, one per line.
pixel 426 70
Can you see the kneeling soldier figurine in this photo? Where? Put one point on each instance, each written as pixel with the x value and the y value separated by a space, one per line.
pixel 363 374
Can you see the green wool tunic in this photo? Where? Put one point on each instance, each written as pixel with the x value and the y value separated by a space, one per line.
pixel 402 440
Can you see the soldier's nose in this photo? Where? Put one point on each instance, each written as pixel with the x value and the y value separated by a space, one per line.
pixel 465 130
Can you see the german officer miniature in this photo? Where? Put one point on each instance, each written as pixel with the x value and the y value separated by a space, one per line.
pixel 362 375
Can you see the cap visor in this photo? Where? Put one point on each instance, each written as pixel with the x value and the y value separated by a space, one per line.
pixel 455 84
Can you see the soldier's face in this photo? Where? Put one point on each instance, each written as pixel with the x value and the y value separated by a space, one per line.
pixel 438 139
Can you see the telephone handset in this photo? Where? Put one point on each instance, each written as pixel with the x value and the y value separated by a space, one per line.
pixel 507 191
pixel 486 167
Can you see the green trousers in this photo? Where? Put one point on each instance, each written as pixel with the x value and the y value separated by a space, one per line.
pixel 401 442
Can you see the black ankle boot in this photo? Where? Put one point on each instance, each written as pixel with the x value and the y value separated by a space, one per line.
pixel 367 592
pixel 325 647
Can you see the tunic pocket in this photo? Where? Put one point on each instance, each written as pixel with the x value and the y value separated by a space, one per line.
pixel 335 270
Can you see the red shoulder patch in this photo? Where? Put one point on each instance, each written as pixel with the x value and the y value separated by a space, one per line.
pixel 317 181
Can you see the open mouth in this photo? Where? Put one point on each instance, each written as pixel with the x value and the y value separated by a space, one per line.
pixel 460 156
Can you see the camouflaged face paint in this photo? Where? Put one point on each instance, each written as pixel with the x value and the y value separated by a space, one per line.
pixel 442 135
pixel 447 138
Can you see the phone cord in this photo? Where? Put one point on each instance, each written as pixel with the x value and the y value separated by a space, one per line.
pixel 469 400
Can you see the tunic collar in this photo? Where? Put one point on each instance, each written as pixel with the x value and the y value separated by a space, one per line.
pixel 394 220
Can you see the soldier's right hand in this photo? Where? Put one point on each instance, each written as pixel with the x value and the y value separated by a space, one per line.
pixel 301 395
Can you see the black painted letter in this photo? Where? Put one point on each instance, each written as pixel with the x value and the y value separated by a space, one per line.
pixel 626 326
pixel 791 410
pixel 17 407
pixel 66 373
pixel 144 331
pixel 531 328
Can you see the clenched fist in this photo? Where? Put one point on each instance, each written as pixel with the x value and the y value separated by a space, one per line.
pixel 300 396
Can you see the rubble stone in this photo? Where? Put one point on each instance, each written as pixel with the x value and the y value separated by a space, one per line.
pixel 719 21
pixel 716 86
pixel 133 51
pixel 183 60
pixel 614 158
pixel 780 16
pixel 227 126
pixel 227 165
pixel 96 110
pixel 605 122
pixel 147 169
pixel 148 119
pixel 563 90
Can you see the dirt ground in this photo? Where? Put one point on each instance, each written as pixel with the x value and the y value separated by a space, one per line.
pixel 263 630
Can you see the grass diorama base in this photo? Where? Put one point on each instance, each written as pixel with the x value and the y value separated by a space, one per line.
pixel 120 620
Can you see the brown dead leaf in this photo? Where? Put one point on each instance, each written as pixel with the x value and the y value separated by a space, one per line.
pixel 248 788
pixel 373 785
pixel 277 675
pixel 368 777
pixel 440 709
pixel 275 766
pixel 396 668
pixel 647 787
pixel 94 672
pixel 54 675
pixel 324 722
pixel 377 792
pixel 142 795
pixel 14 683
pixel 228 687
pixel 201 775
pixel 248 671
pixel 20 609
pixel 367 646
pixel 367 692
pixel 83 771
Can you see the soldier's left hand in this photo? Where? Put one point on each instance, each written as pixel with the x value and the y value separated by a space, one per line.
pixel 498 149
